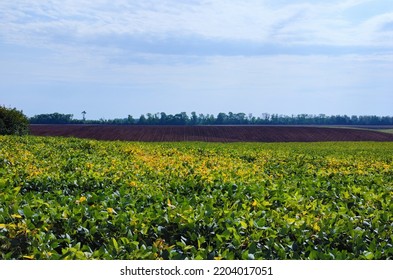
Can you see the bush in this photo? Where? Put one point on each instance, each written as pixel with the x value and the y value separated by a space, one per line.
pixel 13 121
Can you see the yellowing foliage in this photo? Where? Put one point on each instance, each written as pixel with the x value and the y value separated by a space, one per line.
pixel 81 199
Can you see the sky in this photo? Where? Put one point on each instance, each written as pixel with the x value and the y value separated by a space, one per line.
pixel 118 58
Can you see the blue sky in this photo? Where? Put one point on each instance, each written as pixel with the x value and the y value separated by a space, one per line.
pixel 115 58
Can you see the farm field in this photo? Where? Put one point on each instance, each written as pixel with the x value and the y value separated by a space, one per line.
pixel 387 130
pixel 68 198
pixel 240 133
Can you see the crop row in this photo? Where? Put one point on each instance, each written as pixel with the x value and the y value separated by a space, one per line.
pixel 66 198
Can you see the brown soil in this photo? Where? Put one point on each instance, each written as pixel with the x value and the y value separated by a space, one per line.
pixel 210 133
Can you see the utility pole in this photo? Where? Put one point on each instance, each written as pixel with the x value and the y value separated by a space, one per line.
pixel 84 114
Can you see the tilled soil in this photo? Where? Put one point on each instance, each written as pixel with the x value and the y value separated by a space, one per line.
pixel 210 133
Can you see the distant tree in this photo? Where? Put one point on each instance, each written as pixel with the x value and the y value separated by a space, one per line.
pixel 251 119
pixel 231 118
pixel 354 119
pixel 13 121
pixel 169 119
pixel 84 115
pixel 201 119
pixel 241 118
pixel 130 120
pixel 142 120
pixel 54 118
pixel 163 118
pixel 387 120
pixel 322 119
pixel 194 118
pixel 222 118
pixel 181 119
pixel 265 118
pixel 152 119
pixel 210 119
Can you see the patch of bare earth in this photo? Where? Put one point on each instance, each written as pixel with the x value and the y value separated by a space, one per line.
pixel 210 133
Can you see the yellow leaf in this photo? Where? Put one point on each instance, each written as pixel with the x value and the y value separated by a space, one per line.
pixel 111 211
pixel 132 184
pixel 11 226
pixel 80 200
pixel 2 226
pixel 29 257
pixel 170 204
pixel 16 216
pixel 254 203
pixel 291 220
pixel 316 227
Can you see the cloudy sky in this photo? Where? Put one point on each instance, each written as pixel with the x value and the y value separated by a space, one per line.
pixel 115 58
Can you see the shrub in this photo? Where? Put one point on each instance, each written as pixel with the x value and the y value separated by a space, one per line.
pixel 13 121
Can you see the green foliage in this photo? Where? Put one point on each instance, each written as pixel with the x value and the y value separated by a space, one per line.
pixel 221 119
pixel 55 118
pixel 13 121
pixel 82 199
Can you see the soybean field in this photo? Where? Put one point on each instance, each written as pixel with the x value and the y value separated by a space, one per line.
pixel 69 198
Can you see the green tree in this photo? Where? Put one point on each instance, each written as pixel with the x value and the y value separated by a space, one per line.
pixel 54 118
pixel 194 118
pixel 84 115
pixel 130 119
pixel 13 121
pixel 221 118
pixel 142 120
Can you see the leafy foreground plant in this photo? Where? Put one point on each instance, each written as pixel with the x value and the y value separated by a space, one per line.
pixel 80 199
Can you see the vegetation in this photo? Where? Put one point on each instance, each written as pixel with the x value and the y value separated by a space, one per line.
pixel 220 119
pixel 66 198
pixel 55 118
pixel 13 121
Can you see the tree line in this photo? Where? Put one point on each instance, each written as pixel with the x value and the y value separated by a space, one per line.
pixel 220 119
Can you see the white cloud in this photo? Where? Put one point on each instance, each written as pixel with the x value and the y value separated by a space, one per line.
pixel 378 34
pixel 238 55
pixel 307 22
pixel 84 38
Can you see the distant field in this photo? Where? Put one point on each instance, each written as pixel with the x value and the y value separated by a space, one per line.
pixel 212 133
pixel 386 130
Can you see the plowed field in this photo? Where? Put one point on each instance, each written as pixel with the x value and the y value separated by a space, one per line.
pixel 210 133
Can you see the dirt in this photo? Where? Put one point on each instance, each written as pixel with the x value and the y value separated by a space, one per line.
pixel 210 133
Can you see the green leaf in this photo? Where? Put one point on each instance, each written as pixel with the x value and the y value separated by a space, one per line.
pixel 28 212
pixel 243 224
pixel 368 255
pixel 114 242
pixel 3 183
